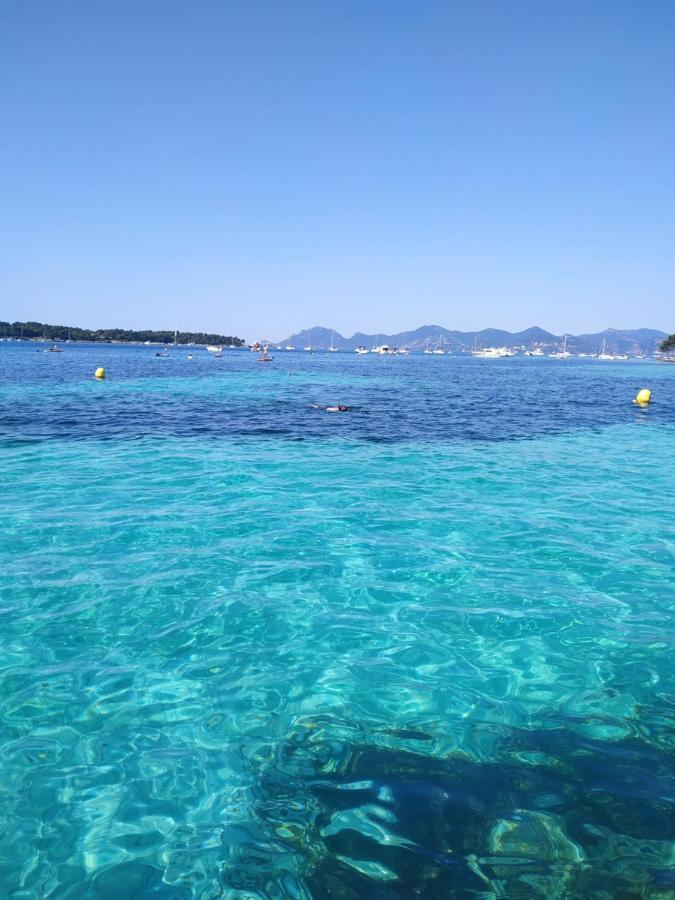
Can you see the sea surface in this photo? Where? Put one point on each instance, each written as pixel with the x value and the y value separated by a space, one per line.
pixel 251 649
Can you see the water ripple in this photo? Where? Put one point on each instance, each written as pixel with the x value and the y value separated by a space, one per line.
pixel 335 667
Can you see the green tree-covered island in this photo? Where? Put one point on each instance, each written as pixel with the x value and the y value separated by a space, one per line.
pixel 40 331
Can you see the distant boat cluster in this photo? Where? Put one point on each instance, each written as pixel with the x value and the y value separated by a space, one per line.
pixel 561 353
pixel 437 349
pixel 478 352
pixel 216 350
pixel 384 350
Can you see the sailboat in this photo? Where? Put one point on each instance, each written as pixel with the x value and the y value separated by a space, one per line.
pixel 561 354
pixel 612 357
pixel 333 348
pixel 603 354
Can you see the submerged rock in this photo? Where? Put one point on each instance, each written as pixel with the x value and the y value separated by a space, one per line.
pixel 534 835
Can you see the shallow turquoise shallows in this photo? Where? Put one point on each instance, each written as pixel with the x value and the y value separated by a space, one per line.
pixel 252 649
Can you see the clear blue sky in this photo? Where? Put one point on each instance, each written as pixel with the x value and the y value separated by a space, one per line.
pixel 258 167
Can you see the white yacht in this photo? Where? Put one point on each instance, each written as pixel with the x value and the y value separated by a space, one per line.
pixel 362 350
pixel 489 353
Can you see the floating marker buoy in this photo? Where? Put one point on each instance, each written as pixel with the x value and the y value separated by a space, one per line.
pixel 99 373
pixel 643 396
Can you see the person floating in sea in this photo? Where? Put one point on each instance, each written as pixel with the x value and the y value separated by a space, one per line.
pixel 340 408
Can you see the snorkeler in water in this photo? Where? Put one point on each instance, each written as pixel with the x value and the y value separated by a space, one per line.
pixel 340 408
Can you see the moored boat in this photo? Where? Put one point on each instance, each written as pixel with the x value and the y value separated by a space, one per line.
pixel 561 354
pixel 489 353
pixel 265 355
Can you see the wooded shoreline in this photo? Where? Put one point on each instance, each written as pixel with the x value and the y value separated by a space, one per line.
pixel 39 331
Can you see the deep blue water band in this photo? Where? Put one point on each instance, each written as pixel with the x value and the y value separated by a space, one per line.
pixel 414 398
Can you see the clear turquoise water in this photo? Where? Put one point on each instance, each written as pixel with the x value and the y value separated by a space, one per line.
pixel 251 649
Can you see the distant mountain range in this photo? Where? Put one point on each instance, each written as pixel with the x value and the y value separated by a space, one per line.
pixel 634 341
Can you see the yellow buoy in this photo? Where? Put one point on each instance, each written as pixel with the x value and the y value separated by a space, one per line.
pixel 99 373
pixel 643 396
